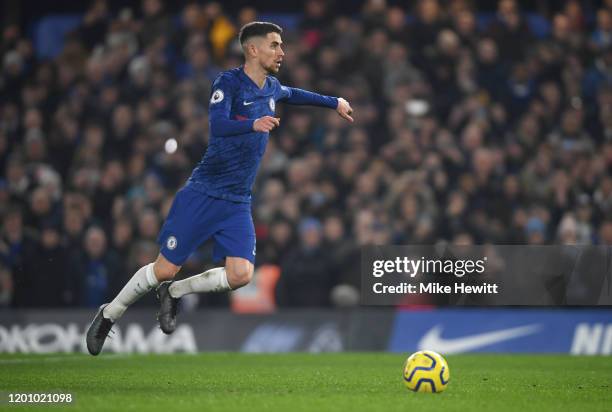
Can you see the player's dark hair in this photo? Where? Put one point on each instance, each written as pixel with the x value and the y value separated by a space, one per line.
pixel 257 28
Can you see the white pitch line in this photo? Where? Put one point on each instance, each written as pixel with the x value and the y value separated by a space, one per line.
pixel 110 356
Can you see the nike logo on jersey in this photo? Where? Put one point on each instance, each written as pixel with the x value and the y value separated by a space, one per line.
pixel 247 103
pixel 433 339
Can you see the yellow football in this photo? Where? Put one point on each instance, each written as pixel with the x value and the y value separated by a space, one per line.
pixel 426 371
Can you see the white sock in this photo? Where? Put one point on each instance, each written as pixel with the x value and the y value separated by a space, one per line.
pixel 213 280
pixel 142 282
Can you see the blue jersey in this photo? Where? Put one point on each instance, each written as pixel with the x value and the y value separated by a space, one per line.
pixel 229 166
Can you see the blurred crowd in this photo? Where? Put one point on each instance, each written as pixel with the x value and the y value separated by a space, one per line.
pixel 464 132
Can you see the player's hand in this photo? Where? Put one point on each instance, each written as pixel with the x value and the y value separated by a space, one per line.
pixel 344 109
pixel 266 123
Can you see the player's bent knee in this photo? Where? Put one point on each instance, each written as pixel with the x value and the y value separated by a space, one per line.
pixel 239 272
pixel 164 269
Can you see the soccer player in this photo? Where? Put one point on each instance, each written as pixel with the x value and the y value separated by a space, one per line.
pixel 215 201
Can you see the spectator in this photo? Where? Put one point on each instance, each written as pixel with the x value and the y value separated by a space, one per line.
pixel 47 276
pixel 306 277
pixel 221 30
pixel 155 23
pixel 95 24
pixel 99 269
pixel 510 31
pixel 424 32
pixel 601 37
pixel 344 255
pixel 17 245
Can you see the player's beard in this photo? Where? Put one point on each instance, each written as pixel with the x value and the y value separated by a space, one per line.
pixel 272 68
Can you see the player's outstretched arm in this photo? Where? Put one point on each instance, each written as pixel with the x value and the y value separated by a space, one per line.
pixel 297 96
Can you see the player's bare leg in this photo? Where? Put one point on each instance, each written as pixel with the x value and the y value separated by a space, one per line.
pixel 236 273
pixel 145 279
pixel 239 272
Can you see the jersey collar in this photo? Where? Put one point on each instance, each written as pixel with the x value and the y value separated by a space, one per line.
pixel 245 77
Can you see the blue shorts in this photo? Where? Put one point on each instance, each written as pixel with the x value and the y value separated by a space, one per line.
pixel 195 217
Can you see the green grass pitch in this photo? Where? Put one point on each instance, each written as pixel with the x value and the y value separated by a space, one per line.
pixel 306 382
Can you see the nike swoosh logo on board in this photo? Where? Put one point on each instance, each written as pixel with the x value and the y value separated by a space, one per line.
pixel 433 339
